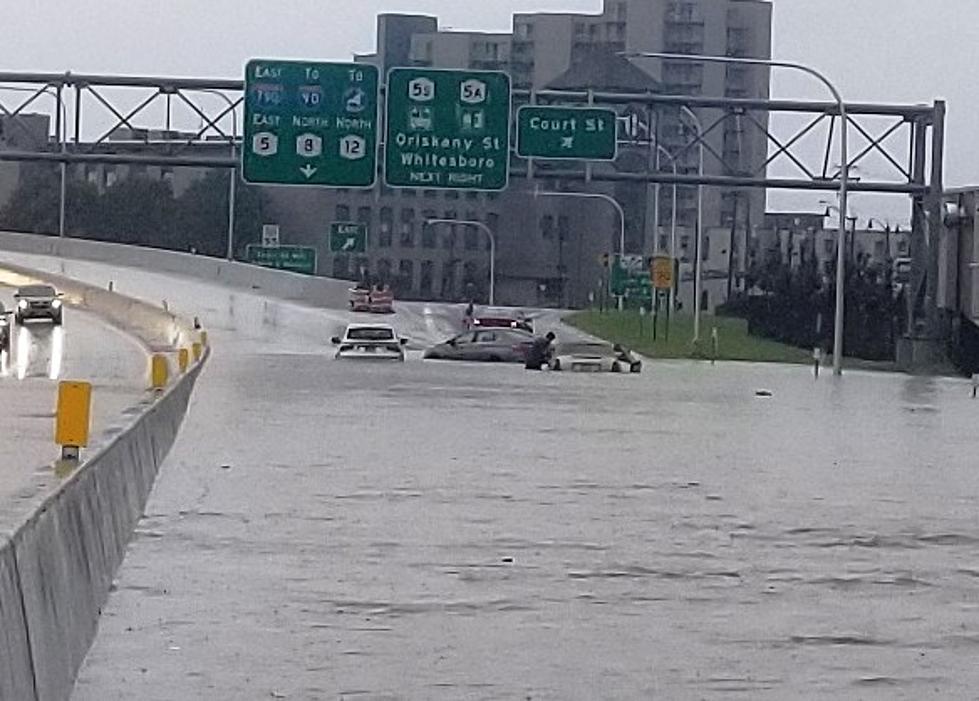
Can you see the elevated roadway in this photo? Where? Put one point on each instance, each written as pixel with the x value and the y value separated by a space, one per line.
pixel 429 530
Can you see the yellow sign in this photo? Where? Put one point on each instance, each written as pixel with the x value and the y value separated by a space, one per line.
pixel 662 272
pixel 74 414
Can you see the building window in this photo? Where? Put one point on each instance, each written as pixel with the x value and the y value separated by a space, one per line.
pixel 387 226
pixel 384 270
pixel 409 193
pixel 407 228
pixel 341 267
pixel 427 277
pixel 547 227
pixel 428 232
pixel 902 248
pixel 563 227
pixel 685 249
pixel 829 245
pixel 406 273
pixel 472 196
pixel 431 194
pixel 879 249
pixel 452 195
pixel 664 242
pixel 342 213
pixel 705 253
pixel 704 301
pixel 472 238
pixel 364 215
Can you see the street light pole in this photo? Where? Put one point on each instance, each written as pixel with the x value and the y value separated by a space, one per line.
pixel 492 241
pixel 698 264
pixel 844 165
pixel 596 196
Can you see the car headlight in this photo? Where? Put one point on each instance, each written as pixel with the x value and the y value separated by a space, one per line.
pixel 22 304
pixel 56 304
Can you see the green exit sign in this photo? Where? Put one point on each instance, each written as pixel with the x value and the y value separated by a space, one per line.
pixel 447 129
pixel 567 133
pixel 310 123
pixel 297 259
pixel 348 237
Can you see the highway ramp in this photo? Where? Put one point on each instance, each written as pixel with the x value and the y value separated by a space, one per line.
pixel 84 348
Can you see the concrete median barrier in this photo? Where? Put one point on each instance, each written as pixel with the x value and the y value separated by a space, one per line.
pixel 317 291
pixel 57 564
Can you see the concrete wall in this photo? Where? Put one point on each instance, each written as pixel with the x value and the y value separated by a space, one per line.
pixel 56 566
pixel 317 291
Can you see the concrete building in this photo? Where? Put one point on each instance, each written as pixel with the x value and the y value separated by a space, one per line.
pixel 549 248
pixel 26 132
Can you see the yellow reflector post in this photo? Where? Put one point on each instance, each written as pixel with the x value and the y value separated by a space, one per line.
pixel 204 338
pixel 74 414
pixel 183 359
pixel 198 351
pixel 159 372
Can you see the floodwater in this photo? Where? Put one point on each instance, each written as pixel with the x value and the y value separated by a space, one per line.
pixel 329 530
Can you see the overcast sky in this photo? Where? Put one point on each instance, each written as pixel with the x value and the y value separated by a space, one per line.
pixel 876 50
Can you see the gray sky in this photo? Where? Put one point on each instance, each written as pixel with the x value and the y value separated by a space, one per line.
pixel 876 50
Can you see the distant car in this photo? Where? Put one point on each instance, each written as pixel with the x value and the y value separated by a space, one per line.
pixel 4 330
pixel 588 356
pixel 38 302
pixel 504 345
pixel 371 341
pixel 500 322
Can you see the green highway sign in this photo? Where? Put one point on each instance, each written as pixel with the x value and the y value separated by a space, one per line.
pixel 297 259
pixel 310 123
pixel 575 133
pixel 447 129
pixel 629 277
pixel 348 238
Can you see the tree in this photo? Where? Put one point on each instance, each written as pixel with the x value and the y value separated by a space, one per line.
pixel 138 210
pixel 35 203
pixel 202 215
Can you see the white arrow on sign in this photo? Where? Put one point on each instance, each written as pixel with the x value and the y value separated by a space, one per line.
pixel 567 142
pixel 350 244
pixel 308 170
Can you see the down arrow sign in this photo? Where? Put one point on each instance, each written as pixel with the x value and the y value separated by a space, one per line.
pixel 308 170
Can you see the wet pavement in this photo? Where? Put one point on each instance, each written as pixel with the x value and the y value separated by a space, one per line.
pixel 41 355
pixel 427 530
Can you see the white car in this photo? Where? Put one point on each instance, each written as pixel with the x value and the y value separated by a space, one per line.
pixel 371 341
pixel 589 356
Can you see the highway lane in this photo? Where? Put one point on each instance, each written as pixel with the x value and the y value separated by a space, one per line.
pixel 435 530
pixel 41 355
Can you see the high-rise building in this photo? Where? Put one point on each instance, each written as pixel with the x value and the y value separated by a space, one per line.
pixel 549 248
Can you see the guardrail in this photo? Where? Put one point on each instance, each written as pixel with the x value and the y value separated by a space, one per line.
pixel 57 564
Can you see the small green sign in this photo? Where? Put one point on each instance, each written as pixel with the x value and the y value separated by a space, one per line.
pixel 310 123
pixel 447 129
pixel 567 133
pixel 297 259
pixel 629 277
pixel 348 237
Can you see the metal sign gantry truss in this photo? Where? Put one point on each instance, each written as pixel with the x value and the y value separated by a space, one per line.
pixel 907 139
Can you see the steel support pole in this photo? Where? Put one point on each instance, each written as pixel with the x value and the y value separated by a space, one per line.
pixel 698 264
pixel 492 242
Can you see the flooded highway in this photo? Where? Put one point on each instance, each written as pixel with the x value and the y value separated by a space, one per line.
pixel 432 530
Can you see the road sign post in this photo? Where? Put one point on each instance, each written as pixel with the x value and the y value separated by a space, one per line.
pixel 348 237
pixel 447 129
pixel 567 133
pixel 297 259
pixel 309 123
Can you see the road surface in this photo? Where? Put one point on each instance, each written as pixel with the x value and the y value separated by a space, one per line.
pixel 41 355
pixel 441 531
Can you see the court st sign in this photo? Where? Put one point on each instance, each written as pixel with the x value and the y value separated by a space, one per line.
pixel 567 133
pixel 447 129
pixel 310 123
pixel 347 237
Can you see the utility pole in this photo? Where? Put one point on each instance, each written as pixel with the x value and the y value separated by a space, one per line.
pixel 730 248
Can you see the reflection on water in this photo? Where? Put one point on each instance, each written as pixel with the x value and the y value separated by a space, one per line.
pixel 40 352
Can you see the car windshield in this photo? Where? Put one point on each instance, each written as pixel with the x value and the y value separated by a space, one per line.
pixel 370 334
pixel 36 291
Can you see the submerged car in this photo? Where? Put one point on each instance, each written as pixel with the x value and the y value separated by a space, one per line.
pixel 38 302
pixel 500 322
pixel 371 341
pixel 495 345
pixel 593 356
